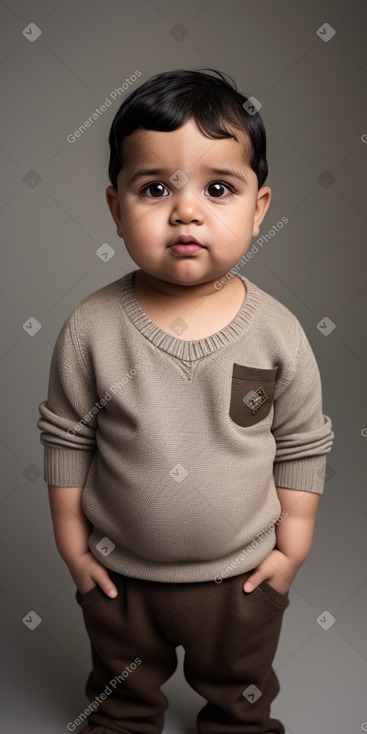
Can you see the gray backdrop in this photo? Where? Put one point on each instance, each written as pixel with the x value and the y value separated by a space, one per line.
pixel 306 63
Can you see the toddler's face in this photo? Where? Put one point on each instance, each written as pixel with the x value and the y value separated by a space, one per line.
pixel 184 195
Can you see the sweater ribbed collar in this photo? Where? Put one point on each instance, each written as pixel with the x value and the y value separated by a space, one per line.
pixel 184 349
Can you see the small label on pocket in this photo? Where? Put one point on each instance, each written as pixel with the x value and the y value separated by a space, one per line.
pixel 255 398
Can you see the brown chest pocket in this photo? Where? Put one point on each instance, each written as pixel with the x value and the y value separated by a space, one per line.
pixel 252 394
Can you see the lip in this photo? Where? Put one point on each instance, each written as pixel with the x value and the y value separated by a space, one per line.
pixel 186 244
pixel 185 239
pixel 188 249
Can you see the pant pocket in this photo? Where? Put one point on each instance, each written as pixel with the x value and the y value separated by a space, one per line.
pixel 95 596
pixel 90 598
pixel 271 597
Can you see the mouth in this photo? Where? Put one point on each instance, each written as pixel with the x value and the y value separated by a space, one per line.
pixel 186 245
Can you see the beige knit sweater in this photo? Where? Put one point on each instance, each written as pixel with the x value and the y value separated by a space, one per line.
pixel 180 445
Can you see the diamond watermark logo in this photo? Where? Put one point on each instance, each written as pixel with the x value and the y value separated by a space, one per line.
pixel 178 179
pixel 31 472
pixel 32 620
pixel 252 693
pixel 178 31
pixel 326 32
pixel 326 620
pixel 326 326
pixel 105 252
pixel 179 473
pixel 252 105
pixel 32 326
pixel 326 179
pixel 178 325
pixel 32 179
pixel 31 32
pixel 105 546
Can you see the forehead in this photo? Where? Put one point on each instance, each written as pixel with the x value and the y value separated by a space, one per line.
pixel 185 148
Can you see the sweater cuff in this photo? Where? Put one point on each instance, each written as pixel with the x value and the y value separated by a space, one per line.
pixel 304 474
pixel 66 467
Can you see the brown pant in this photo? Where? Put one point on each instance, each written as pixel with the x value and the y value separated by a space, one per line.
pixel 229 637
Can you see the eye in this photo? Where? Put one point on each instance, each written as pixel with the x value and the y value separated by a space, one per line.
pixel 155 186
pixel 156 189
pixel 217 186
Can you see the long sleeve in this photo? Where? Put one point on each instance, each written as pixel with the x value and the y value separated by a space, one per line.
pixel 303 434
pixel 68 417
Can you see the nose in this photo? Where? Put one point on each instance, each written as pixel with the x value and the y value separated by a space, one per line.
pixel 186 207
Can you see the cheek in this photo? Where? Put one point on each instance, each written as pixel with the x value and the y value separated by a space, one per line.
pixel 141 228
pixel 244 221
pixel 140 214
pixel 134 219
pixel 235 227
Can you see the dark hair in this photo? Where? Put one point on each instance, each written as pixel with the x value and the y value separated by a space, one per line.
pixel 166 101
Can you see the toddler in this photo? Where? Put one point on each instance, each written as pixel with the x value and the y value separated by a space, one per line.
pixel 185 443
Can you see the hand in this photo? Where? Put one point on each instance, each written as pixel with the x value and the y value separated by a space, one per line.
pixel 277 569
pixel 87 573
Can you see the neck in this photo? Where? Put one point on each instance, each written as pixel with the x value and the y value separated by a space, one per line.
pixel 167 290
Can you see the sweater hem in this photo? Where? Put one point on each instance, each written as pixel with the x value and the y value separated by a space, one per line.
pixel 241 561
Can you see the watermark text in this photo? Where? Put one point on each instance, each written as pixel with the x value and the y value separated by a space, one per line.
pixel 251 252
pixel 254 544
pixel 110 687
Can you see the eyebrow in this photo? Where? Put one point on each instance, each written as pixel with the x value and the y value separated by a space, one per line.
pixel 141 172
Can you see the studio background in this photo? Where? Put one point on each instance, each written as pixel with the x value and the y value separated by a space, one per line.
pixel 306 62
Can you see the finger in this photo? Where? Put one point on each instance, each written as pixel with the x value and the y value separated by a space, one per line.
pixel 103 580
pixel 253 581
pixel 110 590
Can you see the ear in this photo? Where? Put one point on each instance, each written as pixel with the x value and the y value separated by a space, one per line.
pixel 262 206
pixel 114 207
